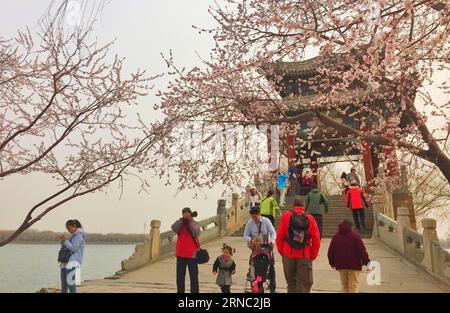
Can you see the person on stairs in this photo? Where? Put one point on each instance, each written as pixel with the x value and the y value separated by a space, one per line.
pixel 269 207
pixel 282 178
pixel 316 204
pixel 356 200
pixel 254 197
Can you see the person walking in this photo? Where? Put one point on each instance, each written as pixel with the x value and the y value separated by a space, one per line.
pixel 316 204
pixel 347 254
pixel 281 186
pixel 355 199
pixel 254 197
pixel 188 231
pixel 353 175
pixel 224 267
pixel 269 207
pixel 307 181
pixel 345 184
pixel 260 231
pixel 71 255
pixel 298 242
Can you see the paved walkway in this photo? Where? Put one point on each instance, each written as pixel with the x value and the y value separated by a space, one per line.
pixel 397 275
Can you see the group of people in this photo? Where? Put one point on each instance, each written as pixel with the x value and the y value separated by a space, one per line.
pixel 297 240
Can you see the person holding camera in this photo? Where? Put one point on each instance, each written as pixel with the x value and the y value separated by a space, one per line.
pixel 188 231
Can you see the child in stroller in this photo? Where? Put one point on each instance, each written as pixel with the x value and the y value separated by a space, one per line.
pixel 261 262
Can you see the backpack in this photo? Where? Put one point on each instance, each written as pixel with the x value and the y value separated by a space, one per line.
pixel 298 236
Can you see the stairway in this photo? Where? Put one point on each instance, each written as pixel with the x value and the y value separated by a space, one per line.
pixel 337 212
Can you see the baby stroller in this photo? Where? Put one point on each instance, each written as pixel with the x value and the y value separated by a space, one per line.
pixel 258 274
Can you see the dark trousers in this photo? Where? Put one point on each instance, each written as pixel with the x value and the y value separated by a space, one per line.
pixel 192 265
pixel 358 216
pixel 319 221
pixel 271 218
pixel 299 274
pixel 68 280
pixel 225 289
pixel 273 283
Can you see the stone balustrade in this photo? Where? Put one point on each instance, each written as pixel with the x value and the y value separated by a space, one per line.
pixel 158 245
pixel 423 250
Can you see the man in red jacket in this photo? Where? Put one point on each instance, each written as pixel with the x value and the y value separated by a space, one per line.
pixel 297 263
pixel 188 231
pixel 355 199
pixel 347 254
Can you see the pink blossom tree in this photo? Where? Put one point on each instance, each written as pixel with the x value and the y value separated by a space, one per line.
pixel 64 111
pixel 391 49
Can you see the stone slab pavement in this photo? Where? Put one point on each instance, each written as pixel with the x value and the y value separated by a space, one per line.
pixel 397 274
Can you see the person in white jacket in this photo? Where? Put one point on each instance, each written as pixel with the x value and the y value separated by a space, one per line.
pixel 254 197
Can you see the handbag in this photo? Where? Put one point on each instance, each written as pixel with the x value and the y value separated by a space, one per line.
pixel 201 255
pixel 64 255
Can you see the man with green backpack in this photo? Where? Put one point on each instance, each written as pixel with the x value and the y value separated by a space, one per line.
pixel 269 207
pixel 316 204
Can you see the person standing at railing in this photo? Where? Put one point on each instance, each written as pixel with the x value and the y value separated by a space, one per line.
pixel 188 231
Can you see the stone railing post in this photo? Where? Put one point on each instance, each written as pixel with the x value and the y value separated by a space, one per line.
pixel 403 221
pixel 429 236
pixel 155 233
pixel 222 214
pixel 235 206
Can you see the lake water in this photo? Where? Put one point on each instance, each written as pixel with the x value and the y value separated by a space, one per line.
pixel 28 268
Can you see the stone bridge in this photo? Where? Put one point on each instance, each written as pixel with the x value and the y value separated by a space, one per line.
pixel 409 261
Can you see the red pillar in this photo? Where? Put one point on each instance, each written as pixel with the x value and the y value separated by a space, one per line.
pixel 390 154
pixel 375 159
pixel 291 150
pixel 393 169
pixel 368 165
pixel 269 149
pixel 314 166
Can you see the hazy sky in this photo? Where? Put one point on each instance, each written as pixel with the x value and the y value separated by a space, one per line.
pixel 142 29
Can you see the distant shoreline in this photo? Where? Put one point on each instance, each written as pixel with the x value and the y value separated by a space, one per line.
pixel 51 237
pixel 87 243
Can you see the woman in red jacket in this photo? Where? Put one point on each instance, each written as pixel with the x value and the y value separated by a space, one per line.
pixel 355 199
pixel 188 231
pixel 347 254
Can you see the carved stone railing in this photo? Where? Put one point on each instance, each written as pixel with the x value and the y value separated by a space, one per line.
pixel 158 245
pixel 423 250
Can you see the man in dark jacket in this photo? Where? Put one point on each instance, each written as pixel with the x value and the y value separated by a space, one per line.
pixel 347 254
pixel 316 204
